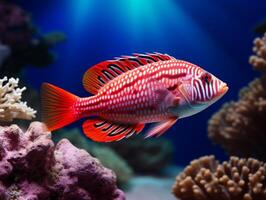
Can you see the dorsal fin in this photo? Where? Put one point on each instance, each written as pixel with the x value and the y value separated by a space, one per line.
pixel 101 73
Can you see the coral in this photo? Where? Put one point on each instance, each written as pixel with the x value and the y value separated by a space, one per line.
pixel 149 156
pixel 207 179
pixel 239 126
pixel 108 157
pixel 11 105
pixel 32 167
pixel 27 45
pixel 258 61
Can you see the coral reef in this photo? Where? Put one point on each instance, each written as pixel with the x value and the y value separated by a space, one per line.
pixel 11 106
pixel 149 156
pixel 207 179
pixel 32 167
pixel 258 61
pixel 108 157
pixel 240 126
pixel 26 44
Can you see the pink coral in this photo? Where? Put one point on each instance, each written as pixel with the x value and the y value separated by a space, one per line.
pixel 32 167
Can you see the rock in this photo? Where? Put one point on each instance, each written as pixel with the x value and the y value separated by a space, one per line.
pixel 33 168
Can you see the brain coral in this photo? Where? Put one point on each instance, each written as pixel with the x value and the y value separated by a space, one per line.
pixel 236 179
pixel 239 126
pixel 32 167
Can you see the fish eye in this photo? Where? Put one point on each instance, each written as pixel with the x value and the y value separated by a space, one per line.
pixel 206 78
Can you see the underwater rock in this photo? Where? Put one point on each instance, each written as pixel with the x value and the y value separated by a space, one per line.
pixel 32 167
pixel 11 106
pixel 27 45
pixel 239 126
pixel 149 156
pixel 107 156
pixel 207 179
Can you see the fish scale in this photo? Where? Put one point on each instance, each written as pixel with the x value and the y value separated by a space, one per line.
pixel 118 99
pixel 131 91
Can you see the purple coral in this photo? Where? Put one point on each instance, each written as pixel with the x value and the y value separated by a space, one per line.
pixel 33 168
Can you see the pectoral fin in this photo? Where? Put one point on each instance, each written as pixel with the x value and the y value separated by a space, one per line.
pixel 161 127
pixel 186 91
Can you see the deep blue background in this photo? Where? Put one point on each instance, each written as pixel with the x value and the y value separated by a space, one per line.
pixel 216 35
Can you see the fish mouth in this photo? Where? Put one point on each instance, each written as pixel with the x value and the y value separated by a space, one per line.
pixel 223 89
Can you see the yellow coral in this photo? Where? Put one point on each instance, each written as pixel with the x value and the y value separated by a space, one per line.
pixel 11 106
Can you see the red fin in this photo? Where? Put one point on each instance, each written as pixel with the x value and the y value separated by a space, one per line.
pixel 161 128
pixel 102 131
pixel 101 73
pixel 57 106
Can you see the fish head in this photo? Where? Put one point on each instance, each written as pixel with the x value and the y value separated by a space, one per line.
pixel 201 90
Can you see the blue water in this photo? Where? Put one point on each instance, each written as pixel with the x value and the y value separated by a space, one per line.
pixel 216 35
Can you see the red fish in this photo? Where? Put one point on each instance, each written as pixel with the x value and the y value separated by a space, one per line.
pixel 130 92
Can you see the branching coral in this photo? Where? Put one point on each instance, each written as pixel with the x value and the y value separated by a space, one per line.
pixel 11 106
pixel 240 126
pixel 207 179
pixel 258 61
pixel 32 167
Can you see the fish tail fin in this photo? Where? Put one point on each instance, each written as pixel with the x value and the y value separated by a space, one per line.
pixel 57 107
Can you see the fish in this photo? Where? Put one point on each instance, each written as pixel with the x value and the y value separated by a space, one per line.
pixel 130 92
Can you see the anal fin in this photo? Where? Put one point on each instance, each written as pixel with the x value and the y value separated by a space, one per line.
pixel 103 131
pixel 161 127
